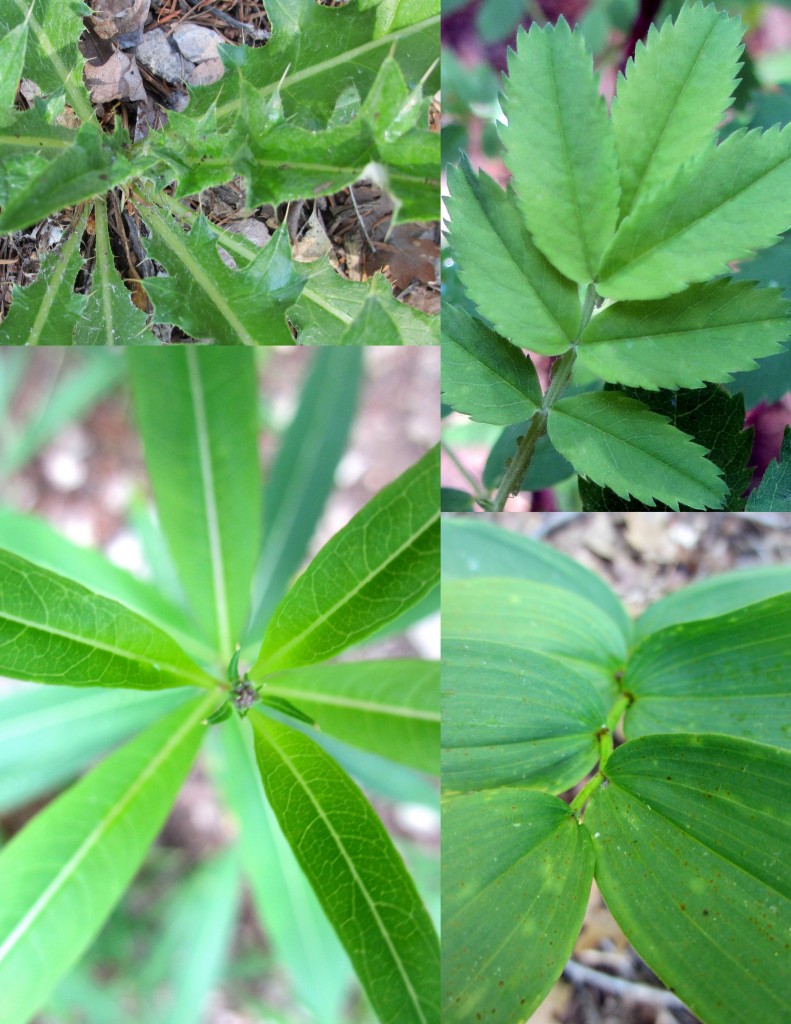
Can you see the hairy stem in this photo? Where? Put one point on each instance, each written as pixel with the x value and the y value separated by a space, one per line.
pixel 479 493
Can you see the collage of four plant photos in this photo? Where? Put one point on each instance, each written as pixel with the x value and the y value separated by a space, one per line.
pixel 395 512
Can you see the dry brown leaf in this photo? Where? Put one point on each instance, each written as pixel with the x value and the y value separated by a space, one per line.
pixel 116 79
pixel 113 18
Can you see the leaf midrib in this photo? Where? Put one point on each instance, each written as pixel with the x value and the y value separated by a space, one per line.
pixel 353 703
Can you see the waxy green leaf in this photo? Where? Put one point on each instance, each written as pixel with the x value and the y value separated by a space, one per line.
pixel 560 149
pixel 517 870
pixel 691 837
pixel 483 375
pixel 728 674
pixel 513 716
pixel 58 888
pixel 388 707
pixel 380 564
pixel 520 294
pixel 202 454
pixel 52 630
pixel 677 88
pixel 356 872
pixel 618 443
pixel 701 334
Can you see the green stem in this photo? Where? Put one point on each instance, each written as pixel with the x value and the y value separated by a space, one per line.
pixel 584 794
pixel 480 494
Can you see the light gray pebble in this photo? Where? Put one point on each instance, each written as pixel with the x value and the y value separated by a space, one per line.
pixel 159 56
pixel 197 43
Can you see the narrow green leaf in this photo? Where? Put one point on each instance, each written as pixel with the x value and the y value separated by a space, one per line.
pixel 513 717
pixel 110 318
pixel 388 707
pixel 52 630
pixel 381 563
pixel 773 494
pixel 510 281
pixel 12 59
pixel 561 151
pixel 728 674
pixel 677 88
pixel 517 871
pixel 355 871
pixel 471 549
pixel 206 299
pixel 202 455
pixel 47 311
pixel 701 334
pixel 691 837
pixel 617 442
pixel 57 884
pixel 483 375
pixel 720 207
pixel 539 617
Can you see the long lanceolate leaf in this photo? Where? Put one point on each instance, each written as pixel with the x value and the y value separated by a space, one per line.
pixel 560 149
pixel 356 872
pixel 379 565
pixel 675 93
pixel 199 422
pixel 55 631
pixel 691 837
pixel 63 874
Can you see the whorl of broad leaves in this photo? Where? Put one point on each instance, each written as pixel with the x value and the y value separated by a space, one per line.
pixel 643 208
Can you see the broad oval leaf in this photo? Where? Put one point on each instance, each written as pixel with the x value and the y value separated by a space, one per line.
pixel 560 149
pixel 65 871
pixel 692 835
pixel 618 443
pixel 380 564
pixel 202 455
pixel 355 871
pixel 53 630
pixel 729 674
pixel 517 870
pixel 388 707
pixel 512 717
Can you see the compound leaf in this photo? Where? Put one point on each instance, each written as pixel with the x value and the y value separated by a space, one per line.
pixel 677 88
pixel 720 207
pixel 355 871
pixel 691 837
pixel 483 375
pixel 380 564
pixel 53 630
pixel 699 335
pixel 512 716
pixel 560 147
pixel 618 443
pixel 510 281
pixel 59 887
pixel 773 494
pixel 515 882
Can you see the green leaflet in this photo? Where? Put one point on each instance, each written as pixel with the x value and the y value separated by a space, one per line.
pixel 516 875
pixel 355 871
pixel 560 149
pixel 773 494
pixel 511 716
pixel 691 838
pixel 701 334
pixel 380 564
pixel 206 299
pixel 388 707
pixel 58 889
pixel 55 631
pixel 729 674
pixel 519 292
pixel 483 375
pixel 47 311
pixel 202 455
pixel 720 207
pixel 110 318
pixel 676 91
pixel 618 443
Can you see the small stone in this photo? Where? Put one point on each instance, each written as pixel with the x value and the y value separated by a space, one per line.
pixel 159 56
pixel 197 43
pixel 207 72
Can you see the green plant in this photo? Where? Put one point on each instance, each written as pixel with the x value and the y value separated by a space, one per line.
pixel 684 826
pixel 70 619
pixel 336 92
pixel 610 250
